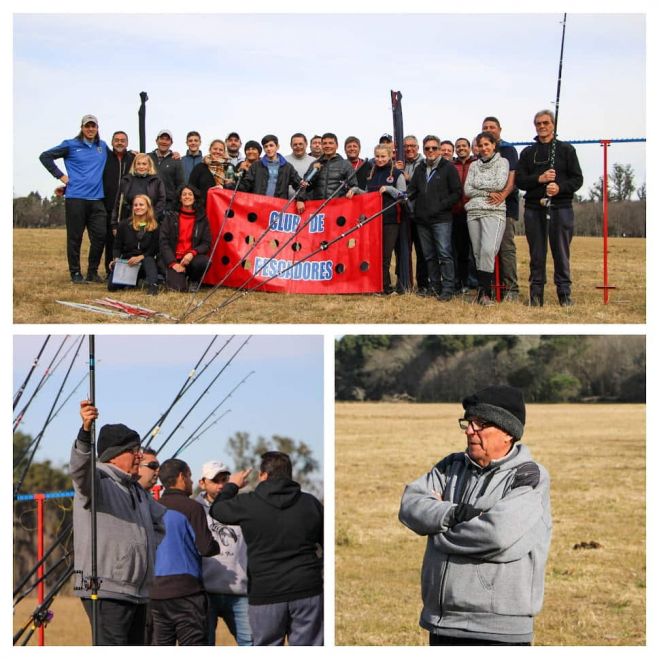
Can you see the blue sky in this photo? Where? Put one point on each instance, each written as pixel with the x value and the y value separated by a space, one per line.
pixel 260 73
pixel 137 377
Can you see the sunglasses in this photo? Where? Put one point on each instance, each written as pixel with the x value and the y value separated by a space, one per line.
pixel 431 148
pixel 151 465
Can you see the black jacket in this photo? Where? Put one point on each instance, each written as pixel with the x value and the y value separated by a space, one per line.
pixel 113 172
pixel 171 173
pixel 129 242
pixel 256 179
pixel 434 198
pixel 534 160
pixel 131 185
pixel 201 236
pixel 332 173
pixel 283 529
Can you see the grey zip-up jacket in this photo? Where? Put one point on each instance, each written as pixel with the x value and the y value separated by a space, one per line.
pixel 129 527
pixel 482 578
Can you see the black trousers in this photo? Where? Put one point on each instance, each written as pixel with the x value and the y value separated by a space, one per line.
pixel 109 240
pixel 182 619
pixel 463 255
pixel 559 230
pixel 84 214
pixel 178 281
pixel 389 239
pixel 436 639
pixel 148 271
pixel 421 267
pixel 119 622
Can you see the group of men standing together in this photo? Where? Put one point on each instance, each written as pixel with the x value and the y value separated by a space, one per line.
pixel 548 171
pixel 167 569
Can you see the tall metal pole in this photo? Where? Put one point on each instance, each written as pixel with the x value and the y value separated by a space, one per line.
pixel 92 458
pixel 141 116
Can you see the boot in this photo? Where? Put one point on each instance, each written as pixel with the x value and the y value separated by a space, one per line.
pixel 484 297
pixel 537 297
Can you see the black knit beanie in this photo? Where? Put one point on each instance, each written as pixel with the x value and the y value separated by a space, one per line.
pixel 253 144
pixel 500 405
pixel 115 438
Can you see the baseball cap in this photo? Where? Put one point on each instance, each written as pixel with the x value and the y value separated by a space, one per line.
pixel 87 118
pixel 165 131
pixel 213 468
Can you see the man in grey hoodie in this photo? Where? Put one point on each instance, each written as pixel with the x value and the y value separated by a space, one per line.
pixel 225 574
pixel 129 528
pixel 487 515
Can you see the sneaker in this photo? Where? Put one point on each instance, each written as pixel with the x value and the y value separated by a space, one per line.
pixel 536 301
pixel 94 278
pixel 77 278
pixel 485 301
pixel 152 289
pixel 511 296
pixel 445 296
pixel 565 300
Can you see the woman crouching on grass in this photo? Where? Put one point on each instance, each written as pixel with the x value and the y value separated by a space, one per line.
pixel 185 240
pixel 137 241
pixel 486 219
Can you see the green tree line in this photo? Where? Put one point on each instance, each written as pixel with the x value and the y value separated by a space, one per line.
pixel 549 369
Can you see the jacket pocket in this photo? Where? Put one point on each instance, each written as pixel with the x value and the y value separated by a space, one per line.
pixel 130 564
pixel 469 586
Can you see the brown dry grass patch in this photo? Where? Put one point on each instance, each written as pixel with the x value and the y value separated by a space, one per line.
pixel 70 625
pixel 41 278
pixel 595 455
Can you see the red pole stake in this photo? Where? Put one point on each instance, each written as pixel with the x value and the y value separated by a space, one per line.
pixel 497 281
pixel 605 219
pixel 40 587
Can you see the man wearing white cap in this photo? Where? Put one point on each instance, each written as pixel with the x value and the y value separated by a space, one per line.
pixel 84 157
pixel 169 168
pixel 225 574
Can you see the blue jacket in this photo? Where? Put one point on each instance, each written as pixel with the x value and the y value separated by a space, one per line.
pixel 84 166
pixel 187 539
pixel 189 162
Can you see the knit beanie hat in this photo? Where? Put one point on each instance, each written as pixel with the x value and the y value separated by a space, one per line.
pixel 501 405
pixel 115 438
pixel 253 144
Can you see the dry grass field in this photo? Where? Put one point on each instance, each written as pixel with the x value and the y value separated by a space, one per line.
pixel 595 455
pixel 70 625
pixel 41 278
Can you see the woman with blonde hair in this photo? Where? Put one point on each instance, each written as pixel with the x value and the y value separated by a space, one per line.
pixel 143 179
pixel 137 243
pixel 216 170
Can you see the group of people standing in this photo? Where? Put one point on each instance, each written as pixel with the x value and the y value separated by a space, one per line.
pixel 461 201
pixel 168 569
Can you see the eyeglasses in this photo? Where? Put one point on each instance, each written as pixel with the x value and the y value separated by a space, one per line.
pixel 151 465
pixel 476 424
pixel 543 123
pixel 431 148
pixel 411 146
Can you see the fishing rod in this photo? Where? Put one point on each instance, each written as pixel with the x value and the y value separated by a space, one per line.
pixel 41 615
pixel 192 439
pixel 546 200
pixel 178 425
pixel 46 374
pixel 192 377
pixel 60 539
pixel 297 232
pixel 93 579
pixel 308 177
pixel 323 246
pixel 46 575
pixel 36 443
pixel 21 389
pixel 227 214
pixel 189 440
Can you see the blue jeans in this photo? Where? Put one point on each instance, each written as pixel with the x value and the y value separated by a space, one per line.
pixel 233 610
pixel 438 254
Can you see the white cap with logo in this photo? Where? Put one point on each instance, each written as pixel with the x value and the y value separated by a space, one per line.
pixel 211 469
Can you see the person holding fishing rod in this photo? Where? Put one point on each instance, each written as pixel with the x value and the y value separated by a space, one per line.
pixel 130 527
pixel 550 172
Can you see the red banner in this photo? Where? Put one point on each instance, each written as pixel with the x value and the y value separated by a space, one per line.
pixel 351 265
